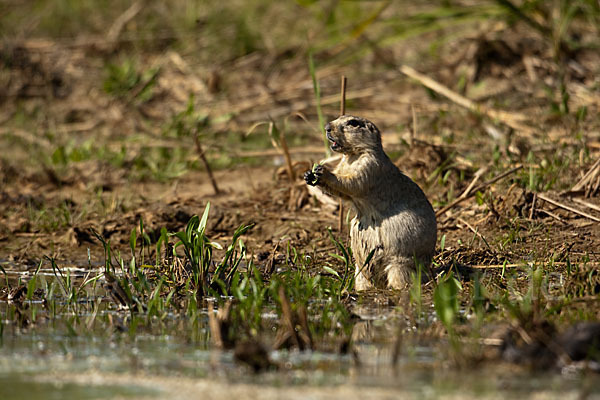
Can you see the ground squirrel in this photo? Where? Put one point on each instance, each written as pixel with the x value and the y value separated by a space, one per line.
pixel 393 216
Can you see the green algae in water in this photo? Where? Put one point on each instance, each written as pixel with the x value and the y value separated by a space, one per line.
pixel 25 386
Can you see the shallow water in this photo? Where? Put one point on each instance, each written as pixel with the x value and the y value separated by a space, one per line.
pixel 25 386
pixel 50 365
pixel 49 360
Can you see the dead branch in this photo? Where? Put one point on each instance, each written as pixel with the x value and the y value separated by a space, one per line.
pixel 586 204
pixel 587 178
pixel 413 131
pixel 568 208
pixel 286 152
pixel 343 96
pixel 472 192
pixel 493 266
pixel 202 156
pixel 121 21
pixel 512 119
pixel 552 215
pixel 532 210
pixel 476 232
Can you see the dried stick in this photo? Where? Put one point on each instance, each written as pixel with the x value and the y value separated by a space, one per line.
pixel 511 119
pixel 342 112
pixel 343 96
pixel 469 194
pixel 589 176
pixel 556 217
pixel 476 232
pixel 568 208
pixel 531 211
pixel 478 174
pixel 523 264
pixel 413 132
pixel 286 152
pixel 121 21
pixel 586 204
pixel 594 189
pixel 492 266
pixel 206 164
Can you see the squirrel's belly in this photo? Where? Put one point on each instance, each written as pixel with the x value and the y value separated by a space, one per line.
pixel 402 234
pixel 364 238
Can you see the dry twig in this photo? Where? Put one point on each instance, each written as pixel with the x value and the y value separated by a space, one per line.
pixel 492 266
pixel 476 232
pixel 286 151
pixel 469 193
pixel 532 209
pixel 413 131
pixel 568 208
pixel 202 156
pixel 343 96
pixel 586 204
pixel 587 181
pixel 115 30
pixel 556 217
pixel 512 119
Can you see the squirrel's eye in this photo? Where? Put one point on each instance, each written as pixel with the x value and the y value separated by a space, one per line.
pixel 356 123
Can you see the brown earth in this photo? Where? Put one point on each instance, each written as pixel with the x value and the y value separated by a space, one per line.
pixel 50 100
pixel 281 213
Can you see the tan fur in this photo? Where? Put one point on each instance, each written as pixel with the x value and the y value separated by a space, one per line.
pixel 393 216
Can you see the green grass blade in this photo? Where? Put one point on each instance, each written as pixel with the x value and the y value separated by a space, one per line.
pixel 317 90
pixel 202 226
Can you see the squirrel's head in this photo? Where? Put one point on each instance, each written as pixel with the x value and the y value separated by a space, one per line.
pixel 353 135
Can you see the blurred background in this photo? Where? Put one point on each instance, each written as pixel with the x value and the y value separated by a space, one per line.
pixel 97 94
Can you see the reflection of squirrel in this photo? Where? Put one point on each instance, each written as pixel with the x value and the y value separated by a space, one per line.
pixel 394 218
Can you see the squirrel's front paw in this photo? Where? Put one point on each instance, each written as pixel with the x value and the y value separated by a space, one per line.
pixel 312 177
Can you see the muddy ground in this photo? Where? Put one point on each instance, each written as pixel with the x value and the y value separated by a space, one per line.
pixel 60 177
pixel 497 122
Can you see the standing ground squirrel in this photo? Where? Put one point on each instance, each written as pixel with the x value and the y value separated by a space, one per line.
pixel 393 217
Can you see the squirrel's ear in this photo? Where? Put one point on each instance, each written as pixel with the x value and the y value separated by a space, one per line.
pixel 372 127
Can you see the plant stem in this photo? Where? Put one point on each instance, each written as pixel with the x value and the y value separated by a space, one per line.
pixel 200 151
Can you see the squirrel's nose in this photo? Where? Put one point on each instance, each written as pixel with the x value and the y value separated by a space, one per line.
pixel 328 127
